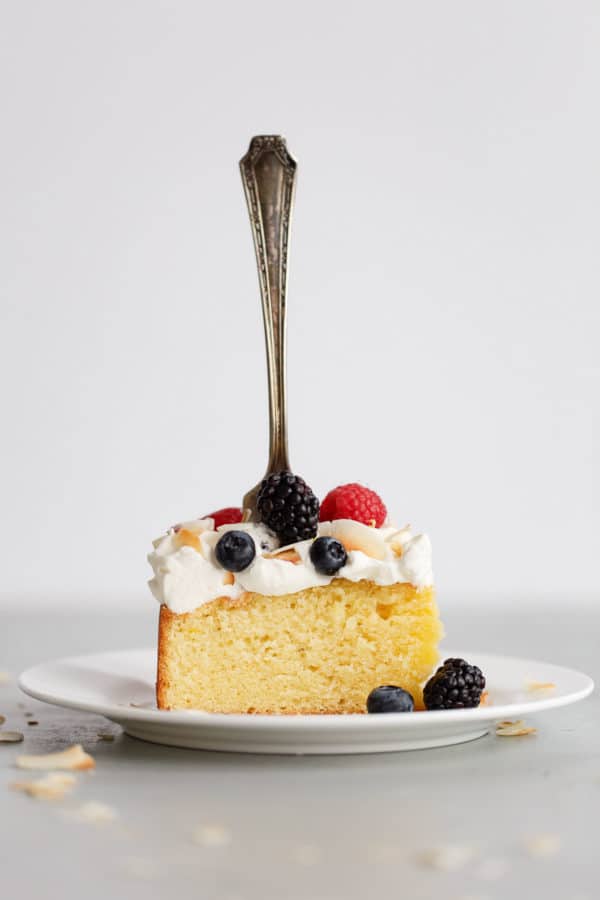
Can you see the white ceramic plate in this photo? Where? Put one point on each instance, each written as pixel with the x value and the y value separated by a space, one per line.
pixel 120 686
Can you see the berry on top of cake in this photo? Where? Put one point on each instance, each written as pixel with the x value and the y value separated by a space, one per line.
pixel 293 612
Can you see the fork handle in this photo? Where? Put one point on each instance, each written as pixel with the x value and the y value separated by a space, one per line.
pixel 269 178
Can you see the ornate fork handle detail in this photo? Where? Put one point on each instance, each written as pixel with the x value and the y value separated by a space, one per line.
pixel 269 178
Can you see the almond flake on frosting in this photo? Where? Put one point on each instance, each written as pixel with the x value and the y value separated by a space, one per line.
pixel 187 538
pixel 228 578
pixel 514 729
pixel 286 554
pixel 398 540
pixel 51 787
pixel 73 757
pixel 356 536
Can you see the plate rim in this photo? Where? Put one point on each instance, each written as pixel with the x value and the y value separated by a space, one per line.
pixel 265 722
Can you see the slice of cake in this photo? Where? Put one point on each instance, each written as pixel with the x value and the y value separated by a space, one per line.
pixel 290 615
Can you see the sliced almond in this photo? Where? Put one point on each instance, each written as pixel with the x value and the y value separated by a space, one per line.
pixel 397 547
pixel 228 578
pixel 356 536
pixel 285 555
pixel 95 813
pixel 187 538
pixel 543 845
pixel 485 697
pixel 447 858
pixel 540 686
pixel 212 836
pixel 73 757
pixel 514 729
pixel 10 737
pixel 51 787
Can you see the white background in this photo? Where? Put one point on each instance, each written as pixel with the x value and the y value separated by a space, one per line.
pixel 444 283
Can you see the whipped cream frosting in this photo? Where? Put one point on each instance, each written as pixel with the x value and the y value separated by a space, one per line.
pixel 187 575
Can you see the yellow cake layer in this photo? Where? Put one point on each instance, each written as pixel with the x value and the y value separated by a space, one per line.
pixel 321 650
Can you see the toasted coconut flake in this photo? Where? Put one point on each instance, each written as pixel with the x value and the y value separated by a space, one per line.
pixel 542 845
pixel 94 813
pixel 540 686
pixel 73 757
pixel 186 538
pixel 212 836
pixel 53 786
pixel 286 554
pixel 398 539
pixel 514 729
pixel 448 858
pixel 11 737
pixel 356 536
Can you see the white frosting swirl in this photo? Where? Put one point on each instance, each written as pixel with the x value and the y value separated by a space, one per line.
pixel 187 575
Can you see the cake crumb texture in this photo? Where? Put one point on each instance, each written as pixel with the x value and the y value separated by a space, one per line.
pixel 321 650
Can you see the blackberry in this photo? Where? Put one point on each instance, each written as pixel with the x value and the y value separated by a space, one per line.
pixel 288 507
pixel 455 685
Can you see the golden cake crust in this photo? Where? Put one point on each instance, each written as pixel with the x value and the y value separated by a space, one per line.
pixel 313 652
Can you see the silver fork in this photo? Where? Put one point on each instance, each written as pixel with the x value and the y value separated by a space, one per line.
pixel 269 178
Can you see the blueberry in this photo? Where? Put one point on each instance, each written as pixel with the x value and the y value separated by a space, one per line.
pixel 388 698
pixel 328 555
pixel 235 551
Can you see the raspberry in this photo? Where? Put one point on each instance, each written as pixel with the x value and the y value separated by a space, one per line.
pixel 353 501
pixel 227 516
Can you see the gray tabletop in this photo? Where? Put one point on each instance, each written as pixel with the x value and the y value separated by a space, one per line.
pixel 495 818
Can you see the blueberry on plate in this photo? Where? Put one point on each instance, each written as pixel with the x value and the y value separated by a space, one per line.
pixel 388 698
pixel 235 550
pixel 327 555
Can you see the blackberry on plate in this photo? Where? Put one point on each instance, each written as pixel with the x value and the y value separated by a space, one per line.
pixel 328 555
pixel 456 685
pixel 235 550
pixel 388 698
pixel 288 507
